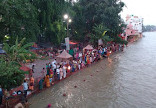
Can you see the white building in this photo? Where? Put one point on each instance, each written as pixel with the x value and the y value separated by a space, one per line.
pixel 134 27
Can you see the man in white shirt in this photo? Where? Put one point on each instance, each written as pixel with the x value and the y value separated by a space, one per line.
pixel 53 62
pixel 80 54
pixel 58 73
pixel 25 88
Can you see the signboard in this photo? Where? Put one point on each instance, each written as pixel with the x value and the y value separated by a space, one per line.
pixel 67 43
pixel 100 42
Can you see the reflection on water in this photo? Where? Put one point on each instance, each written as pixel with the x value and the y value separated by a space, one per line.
pixel 125 80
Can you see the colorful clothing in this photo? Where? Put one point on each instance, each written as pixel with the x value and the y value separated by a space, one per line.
pixel 64 71
pixel 41 84
pixel 31 84
pixel 47 81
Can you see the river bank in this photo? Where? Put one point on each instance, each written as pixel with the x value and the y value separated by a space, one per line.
pixel 125 80
pixel 83 80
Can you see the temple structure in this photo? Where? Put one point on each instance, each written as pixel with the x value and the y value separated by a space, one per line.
pixel 134 27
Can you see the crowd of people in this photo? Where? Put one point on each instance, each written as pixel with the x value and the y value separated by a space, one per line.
pixel 56 71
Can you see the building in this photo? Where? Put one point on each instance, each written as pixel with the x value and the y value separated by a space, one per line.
pixel 134 28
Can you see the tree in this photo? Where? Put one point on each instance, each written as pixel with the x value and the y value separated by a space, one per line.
pixel 18 18
pixel 50 16
pixel 18 52
pixel 59 31
pixel 96 12
pixel 10 73
pixel 99 33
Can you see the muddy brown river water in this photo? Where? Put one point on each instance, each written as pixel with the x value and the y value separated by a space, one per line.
pixel 125 80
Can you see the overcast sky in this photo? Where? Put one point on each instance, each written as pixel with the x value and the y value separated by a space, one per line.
pixel 143 8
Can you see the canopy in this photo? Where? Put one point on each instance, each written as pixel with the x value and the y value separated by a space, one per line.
pixel 88 47
pixel 64 55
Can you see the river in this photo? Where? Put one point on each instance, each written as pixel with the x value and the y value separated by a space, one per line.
pixel 125 80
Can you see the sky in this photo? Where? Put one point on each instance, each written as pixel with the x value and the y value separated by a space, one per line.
pixel 142 8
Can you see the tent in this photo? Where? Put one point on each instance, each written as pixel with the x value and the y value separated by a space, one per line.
pixel 88 47
pixel 64 55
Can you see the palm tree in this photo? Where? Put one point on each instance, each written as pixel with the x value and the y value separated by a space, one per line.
pixel 18 52
pixel 10 73
pixel 99 33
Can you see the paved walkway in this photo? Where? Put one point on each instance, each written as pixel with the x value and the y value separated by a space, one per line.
pixel 39 64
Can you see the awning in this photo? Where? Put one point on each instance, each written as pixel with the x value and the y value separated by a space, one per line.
pixel 72 43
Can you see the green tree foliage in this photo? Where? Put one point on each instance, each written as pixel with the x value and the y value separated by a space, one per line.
pixel 59 32
pixel 10 73
pixel 51 19
pixel 119 40
pixel 99 32
pixel 18 18
pixel 98 12
pixel 38 20
pixel 18 52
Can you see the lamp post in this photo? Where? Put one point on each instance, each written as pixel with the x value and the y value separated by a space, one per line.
pixel 68 20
